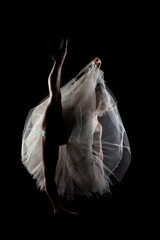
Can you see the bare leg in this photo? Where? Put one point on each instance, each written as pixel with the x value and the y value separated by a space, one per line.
pixel 52 124
pixel 54 79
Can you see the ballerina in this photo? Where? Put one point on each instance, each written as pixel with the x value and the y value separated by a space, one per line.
pixel 74 140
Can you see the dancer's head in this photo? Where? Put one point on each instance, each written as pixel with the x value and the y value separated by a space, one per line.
pixel 97 61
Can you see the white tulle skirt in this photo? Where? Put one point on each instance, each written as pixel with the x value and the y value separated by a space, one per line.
pixel 90 162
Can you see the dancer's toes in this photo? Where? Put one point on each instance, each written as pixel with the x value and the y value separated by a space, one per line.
pixel 53 58
pixel 63 44
pixel 64 211
pixel 61 53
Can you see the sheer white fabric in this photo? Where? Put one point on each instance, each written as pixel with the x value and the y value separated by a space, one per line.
pixel 89 160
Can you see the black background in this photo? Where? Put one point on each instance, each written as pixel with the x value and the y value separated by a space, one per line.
pixel 119 39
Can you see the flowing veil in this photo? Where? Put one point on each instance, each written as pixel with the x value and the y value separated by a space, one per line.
pixel 80 169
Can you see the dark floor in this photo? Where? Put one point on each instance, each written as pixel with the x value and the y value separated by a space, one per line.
pixel 126 202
